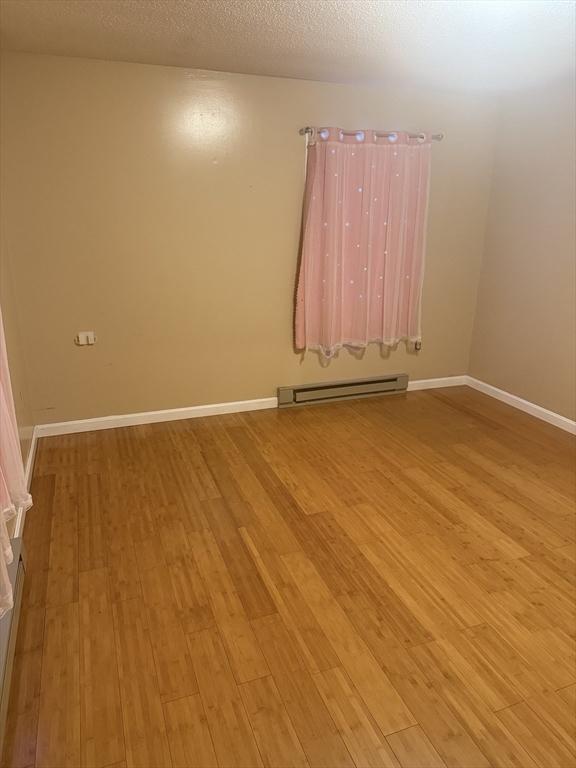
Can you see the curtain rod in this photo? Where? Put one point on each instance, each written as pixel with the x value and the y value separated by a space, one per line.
pixel 435 136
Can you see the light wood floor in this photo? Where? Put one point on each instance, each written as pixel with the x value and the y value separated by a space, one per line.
pixel 386 582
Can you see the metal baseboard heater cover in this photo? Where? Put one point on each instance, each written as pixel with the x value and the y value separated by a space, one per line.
pixel 328 391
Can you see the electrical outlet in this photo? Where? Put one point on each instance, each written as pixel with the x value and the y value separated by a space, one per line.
pixel 85 338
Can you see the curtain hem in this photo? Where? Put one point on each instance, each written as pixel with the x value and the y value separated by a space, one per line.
pixel 331 351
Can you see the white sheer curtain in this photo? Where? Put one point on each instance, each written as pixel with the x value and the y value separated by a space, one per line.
pixel 13 492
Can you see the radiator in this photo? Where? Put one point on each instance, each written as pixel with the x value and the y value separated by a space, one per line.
pixel 328 391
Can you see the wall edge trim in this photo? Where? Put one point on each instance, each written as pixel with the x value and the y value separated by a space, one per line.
pixel 444 381
pixel 214 409
pixel 31 458
pixel 556 419
pixel 194 412
pixel 153 417
pixel 28 471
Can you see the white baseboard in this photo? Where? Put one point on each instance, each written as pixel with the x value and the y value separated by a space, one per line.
pixel 25 433
pixel 538 411
pixel 198 411
pixel 195 411
pixel 568 425
pixel 19 523
pixel 446 381
pixel 151 417
pixel 28 470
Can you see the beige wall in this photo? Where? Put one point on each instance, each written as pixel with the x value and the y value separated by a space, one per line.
pixel 525 330
pixel 160 207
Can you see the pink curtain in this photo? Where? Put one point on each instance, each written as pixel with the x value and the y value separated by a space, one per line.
pixel 364 229
pixel 13 492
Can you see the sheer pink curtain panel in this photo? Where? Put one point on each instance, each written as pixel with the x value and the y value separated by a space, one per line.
pixel 364 237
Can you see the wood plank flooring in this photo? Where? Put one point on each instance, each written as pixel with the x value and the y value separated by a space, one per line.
pixel 384 582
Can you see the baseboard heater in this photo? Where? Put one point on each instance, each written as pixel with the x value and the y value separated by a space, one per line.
pixel 328 391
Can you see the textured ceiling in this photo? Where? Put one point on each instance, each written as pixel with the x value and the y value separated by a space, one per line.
pixel 488 44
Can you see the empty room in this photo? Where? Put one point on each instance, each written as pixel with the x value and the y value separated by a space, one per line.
pixel 287 384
